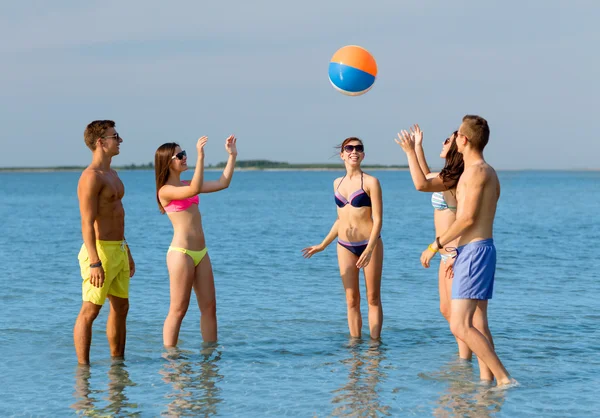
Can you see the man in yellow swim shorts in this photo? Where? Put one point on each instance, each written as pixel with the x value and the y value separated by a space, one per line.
pixel 105 260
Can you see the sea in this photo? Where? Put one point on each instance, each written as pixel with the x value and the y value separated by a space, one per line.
pixel 284 348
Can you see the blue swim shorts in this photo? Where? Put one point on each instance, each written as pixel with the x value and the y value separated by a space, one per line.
pixel 474 270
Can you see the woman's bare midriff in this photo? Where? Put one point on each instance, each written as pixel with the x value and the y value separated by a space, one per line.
pixel 187 229
pixel 442 220
pixel 355 223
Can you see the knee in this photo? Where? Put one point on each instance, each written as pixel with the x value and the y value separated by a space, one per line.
pixel 353 300
pixel 208 308
pixel 120 309
pixel 458 329
pixel 178 311
pixel 89 312
pixel 373 299
pixel 445 311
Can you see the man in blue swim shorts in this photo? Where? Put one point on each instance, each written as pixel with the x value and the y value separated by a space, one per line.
pixel 477 194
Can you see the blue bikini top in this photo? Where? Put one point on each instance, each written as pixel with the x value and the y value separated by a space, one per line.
pixel 438 202
pixel 358 199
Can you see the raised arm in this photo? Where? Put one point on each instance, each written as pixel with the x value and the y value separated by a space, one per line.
pixel 418 135
pixel 88 192
pixel 422 182
pixel 377 214
pixel 169 192
pixel 225 179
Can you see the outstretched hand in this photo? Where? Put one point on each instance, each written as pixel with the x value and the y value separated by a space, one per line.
pixel 200 145
pixel 417 134
pixel 230 145
pixel 308 252
pixel 406 141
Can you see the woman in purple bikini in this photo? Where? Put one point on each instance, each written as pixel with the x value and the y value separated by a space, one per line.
pixel 357 228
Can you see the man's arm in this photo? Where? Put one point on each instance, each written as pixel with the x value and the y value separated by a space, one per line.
pixel 88 192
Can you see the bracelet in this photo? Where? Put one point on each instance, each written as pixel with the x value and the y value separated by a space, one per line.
pixel 439 244
pixel 430 248
pixel 94 265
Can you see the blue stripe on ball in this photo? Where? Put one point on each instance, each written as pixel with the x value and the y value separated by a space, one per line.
pixel 349 79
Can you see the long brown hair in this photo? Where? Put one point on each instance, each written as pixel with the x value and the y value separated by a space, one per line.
pixel 162 162
pixel 454 166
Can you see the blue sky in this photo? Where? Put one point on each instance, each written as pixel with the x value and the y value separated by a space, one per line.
pixel 173 71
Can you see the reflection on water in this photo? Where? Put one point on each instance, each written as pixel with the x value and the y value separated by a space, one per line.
pixel 465 397
pixel 194 380
pixel 93 402
pixel 359 395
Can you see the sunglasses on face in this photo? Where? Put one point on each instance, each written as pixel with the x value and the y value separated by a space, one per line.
pixel 179 155
pixel 446 141
pixel 350 148
pixel 115 136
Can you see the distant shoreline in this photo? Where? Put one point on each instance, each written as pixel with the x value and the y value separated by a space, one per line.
pixel 290 168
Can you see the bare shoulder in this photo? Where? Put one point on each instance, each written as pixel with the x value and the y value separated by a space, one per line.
pixel 90 176
pixel 479 173
pixel 337 182
pixel 371 182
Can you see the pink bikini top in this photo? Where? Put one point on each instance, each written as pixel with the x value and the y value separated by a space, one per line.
pixel 183 204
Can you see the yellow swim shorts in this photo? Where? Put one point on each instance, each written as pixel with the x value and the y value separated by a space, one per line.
pixel 115 263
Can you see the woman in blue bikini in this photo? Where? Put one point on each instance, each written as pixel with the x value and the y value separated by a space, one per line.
pixel 357 228
pixel 443 200
pixel 187 259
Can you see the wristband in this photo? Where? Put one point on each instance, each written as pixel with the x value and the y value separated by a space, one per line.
pixel 430 248
pixel 439 244
pixel 94 265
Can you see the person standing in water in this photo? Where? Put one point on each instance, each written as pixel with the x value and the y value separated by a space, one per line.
pixel 443 200
pixel 188 261
pixel 104 259
pixel 478 192
pixel 358 226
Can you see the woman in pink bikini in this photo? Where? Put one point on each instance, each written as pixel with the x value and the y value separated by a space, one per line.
pixel 187 259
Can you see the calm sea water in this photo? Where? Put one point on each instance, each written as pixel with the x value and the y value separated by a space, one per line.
pixel 284 347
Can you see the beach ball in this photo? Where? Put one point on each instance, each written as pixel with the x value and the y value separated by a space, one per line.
pixel 352 70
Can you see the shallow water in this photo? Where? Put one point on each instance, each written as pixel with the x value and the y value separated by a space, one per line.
pixel 283 347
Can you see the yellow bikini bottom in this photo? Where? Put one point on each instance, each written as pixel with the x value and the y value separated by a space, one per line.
pixel 197 256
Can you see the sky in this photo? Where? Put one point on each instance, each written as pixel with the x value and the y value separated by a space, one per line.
pixel 174 71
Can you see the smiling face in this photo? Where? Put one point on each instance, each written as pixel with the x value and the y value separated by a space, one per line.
pixel 110 142
pixel 352 152
pixel 179 160
pixel 447 145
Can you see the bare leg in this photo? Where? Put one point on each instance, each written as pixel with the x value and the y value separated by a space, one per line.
pixel 349 272
pixel 373 284
pixel 181 277
pixel 480 322
pixel 82 332
pixel 461 324
pixel 116 326
pixel 204 287
pixel 445 286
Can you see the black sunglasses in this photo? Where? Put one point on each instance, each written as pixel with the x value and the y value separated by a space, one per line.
pixel 115 136
pixel 179 155
pixel 350 148
pixel 446 141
